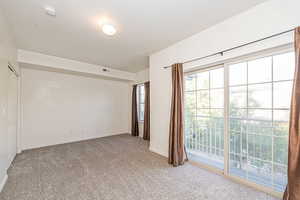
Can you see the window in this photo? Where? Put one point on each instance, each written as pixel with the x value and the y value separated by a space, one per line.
pixel 251 109
pixel 204 114
pixel 141 101
pixel 259 103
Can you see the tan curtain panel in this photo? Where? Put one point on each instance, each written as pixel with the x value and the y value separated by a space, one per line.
pixel 134 114
pixel 176 137
pixel 146 134
pixel 292 191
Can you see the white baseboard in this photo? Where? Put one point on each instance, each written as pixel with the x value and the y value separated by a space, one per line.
pixel 30 147
pixel 158 152
pixel 3 182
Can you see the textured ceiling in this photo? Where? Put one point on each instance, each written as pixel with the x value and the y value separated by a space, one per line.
pixel 143 27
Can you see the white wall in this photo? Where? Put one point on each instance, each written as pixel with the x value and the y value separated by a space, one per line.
pixel 266 19
pixel 8 53
pixel 142 76
pixel 34 58
pixel 60 107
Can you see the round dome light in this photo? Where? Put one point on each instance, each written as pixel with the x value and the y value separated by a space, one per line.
pixel 109 29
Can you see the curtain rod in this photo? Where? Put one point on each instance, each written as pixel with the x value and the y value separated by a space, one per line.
pixel 221 53
pixel 12 69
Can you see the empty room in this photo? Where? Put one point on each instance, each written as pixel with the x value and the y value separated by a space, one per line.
pixel 149 100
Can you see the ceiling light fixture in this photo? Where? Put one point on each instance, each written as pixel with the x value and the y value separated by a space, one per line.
pixel 109 29
pixel 50 11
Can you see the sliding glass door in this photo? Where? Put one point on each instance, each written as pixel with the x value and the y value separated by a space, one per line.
pixel 248 103
pixel 259 113
pixel 204 116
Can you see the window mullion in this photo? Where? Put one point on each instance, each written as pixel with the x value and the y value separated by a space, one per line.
pixel 247 111
pixel 195 127
pixel 272 123
pixel 226 121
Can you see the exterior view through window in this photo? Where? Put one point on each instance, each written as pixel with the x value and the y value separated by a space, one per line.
pixel 204 116
pixel 248 103
pixel 141 101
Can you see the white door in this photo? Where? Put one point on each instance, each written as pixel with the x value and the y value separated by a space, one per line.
pixel 12 115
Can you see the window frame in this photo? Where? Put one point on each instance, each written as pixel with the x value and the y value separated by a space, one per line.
pixel 226 64
pixel 209 89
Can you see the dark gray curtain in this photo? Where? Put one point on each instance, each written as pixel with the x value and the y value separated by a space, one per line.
pixel 134 113
pixel 292 191
pixel 176 138
pixel 146 134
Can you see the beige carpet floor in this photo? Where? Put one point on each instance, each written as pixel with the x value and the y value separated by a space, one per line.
pixel 113 168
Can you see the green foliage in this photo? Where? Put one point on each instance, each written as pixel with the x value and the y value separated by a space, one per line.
pixel 252 137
